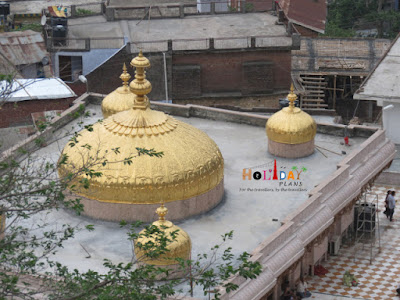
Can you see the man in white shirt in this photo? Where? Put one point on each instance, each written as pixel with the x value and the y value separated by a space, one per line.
pixel 302 290
pixel 391 205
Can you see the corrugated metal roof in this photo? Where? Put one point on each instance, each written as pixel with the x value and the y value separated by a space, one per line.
pixel 23 47
pixel 307 13
pixel 36 89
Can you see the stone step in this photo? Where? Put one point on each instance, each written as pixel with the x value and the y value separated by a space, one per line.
pixel 313 78
pixel 313 100
pixel 312 105
pixel 314 83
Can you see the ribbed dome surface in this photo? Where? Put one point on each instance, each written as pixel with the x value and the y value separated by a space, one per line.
pixel 291 126
pixel 119 100
pixel 192 163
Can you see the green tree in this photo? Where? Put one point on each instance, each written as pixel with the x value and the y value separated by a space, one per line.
pixel 345 16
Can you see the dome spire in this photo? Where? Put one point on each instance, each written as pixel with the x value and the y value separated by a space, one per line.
pixel 162 211
pixel 120 99
pixel 125 76
pixel 292 97
pixel 140 86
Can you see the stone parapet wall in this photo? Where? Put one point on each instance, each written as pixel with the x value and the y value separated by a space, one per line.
pixel 39 139
pixel 220 114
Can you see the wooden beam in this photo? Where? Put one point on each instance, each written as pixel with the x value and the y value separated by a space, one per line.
pixel 334 92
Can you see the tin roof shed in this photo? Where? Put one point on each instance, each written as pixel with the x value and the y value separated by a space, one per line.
pixel 23 47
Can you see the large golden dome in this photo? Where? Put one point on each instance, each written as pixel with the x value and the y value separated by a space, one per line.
pixel 192 163
pixel 180 247
pixel 119 100
pixel 291 125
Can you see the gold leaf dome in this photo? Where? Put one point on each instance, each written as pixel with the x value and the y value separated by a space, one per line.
pixel 179 247
pixel 291 125
pixel 119 100
pixel 192 163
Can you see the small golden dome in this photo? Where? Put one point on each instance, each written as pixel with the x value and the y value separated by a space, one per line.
pixel 192 163
pixel 180 247
pixel 119 100
pixel 291 125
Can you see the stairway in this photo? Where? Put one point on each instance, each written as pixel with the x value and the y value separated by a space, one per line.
pixel 314 86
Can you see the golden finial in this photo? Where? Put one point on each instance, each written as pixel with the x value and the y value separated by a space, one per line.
pixel 140 86
pixel 162 211
pixel 125 76
pixel 292 97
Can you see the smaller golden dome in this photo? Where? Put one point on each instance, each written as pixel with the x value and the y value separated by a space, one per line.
pixel 180 247
pixel 119 100
pixel 291 125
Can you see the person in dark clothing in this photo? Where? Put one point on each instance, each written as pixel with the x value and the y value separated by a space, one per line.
pixel 391 204
pixel 386 212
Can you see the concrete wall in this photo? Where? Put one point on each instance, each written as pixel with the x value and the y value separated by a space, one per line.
pixel 391 121
pixel 254 119
pixel 265 103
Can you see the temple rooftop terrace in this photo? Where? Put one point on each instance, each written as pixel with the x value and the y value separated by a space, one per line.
pixel 252 209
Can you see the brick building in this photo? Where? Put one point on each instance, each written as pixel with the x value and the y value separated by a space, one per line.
pixel 221 59
pixel 25 97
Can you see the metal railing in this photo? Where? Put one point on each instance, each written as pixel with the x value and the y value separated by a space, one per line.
pixel 54 44
pixel 182 10
pixel 214 43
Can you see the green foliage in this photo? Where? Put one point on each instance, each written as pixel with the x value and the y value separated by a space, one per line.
pixel 333 30
pixel 30 26
pixel 40 142
pixel 141 281
pixel 81 12
pixel 32 187
pixel 389 17
pixel 232 9
pixel 151 152
pixel 80 111
pixel 6 77
pixel 249 7
pixel 345 16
